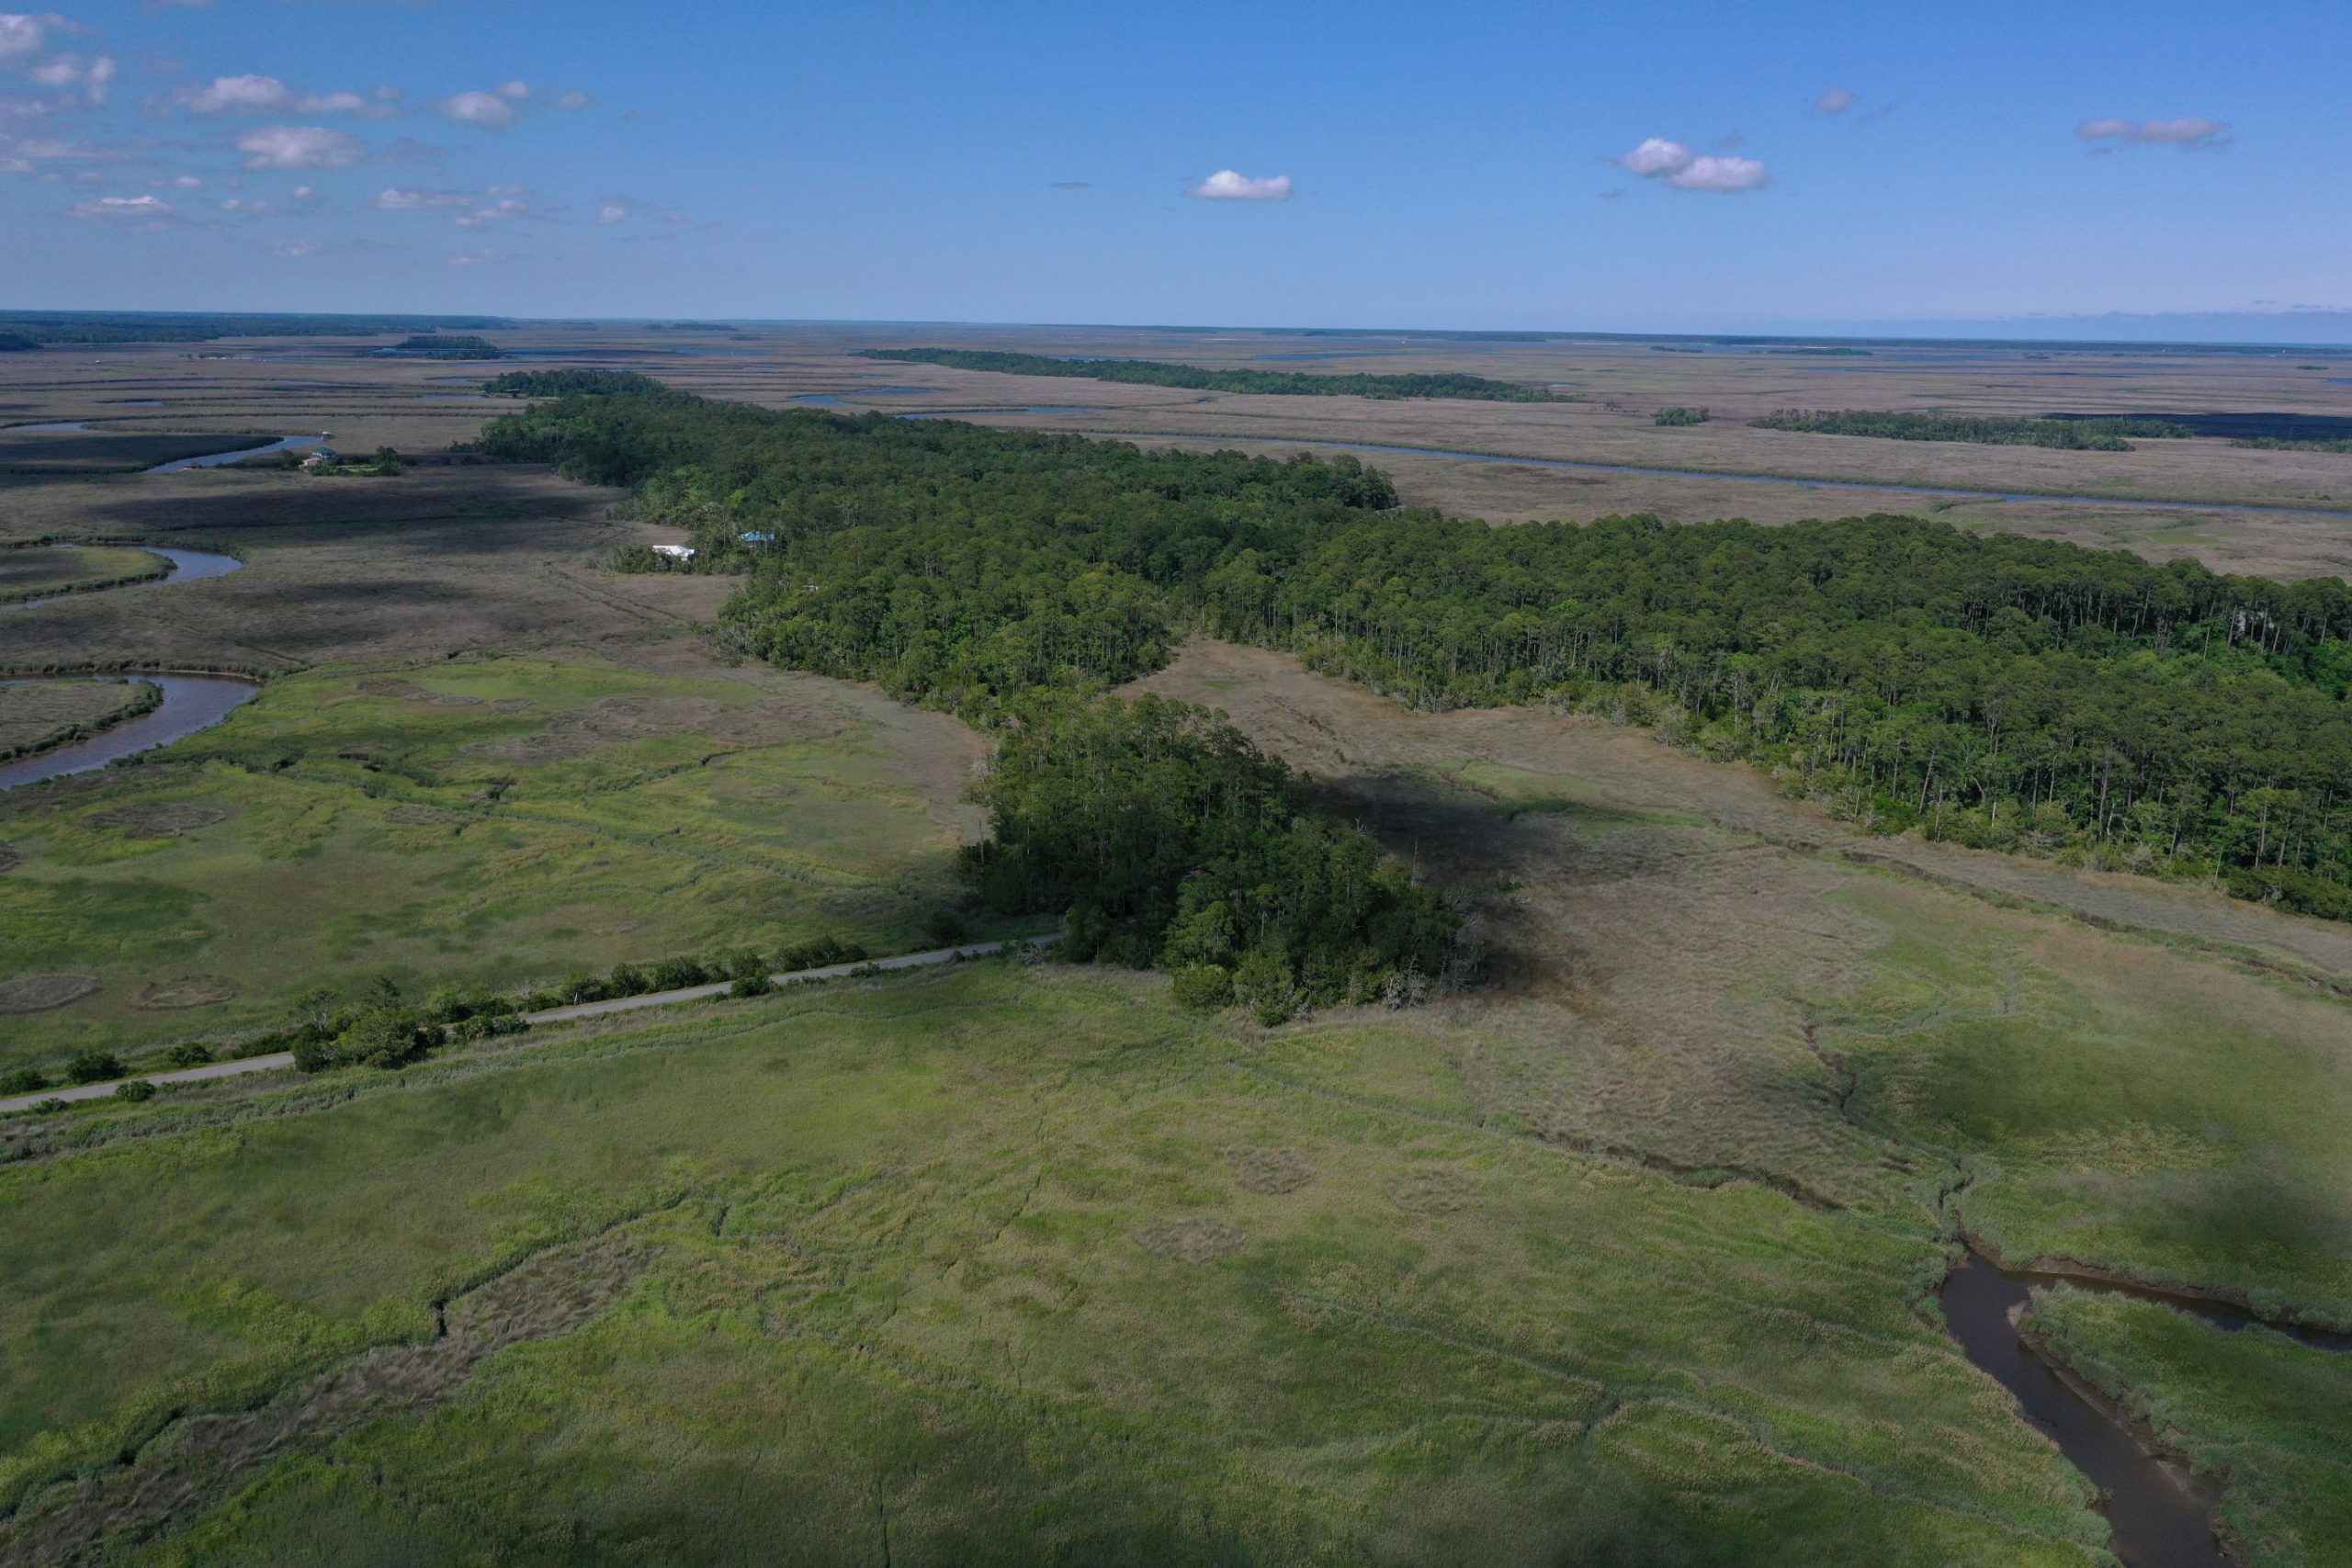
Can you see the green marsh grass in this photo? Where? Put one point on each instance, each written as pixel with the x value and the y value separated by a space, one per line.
pixel 495 824
pixel 1027 1264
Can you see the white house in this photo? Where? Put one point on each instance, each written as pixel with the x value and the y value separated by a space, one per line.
pixel 682 554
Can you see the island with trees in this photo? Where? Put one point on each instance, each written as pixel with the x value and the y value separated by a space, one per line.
pixel 1198 377
pixel 2067 434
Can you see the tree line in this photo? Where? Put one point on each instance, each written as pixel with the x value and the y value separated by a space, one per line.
pixel 1999 691
pixel 1288 383
pixel 2069 435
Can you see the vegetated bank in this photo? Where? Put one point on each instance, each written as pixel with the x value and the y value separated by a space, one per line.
pixel 2001 691
pixel 2283 444
pixel 2068 434
pixel 436 345
pixel 1288 383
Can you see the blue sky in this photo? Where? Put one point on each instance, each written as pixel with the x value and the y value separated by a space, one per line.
pixel 1809 163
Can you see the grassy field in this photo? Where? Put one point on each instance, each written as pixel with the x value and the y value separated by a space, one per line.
pixel 35 712
pixel 29 573
pixel 999 1265
pixel 1694 973
pixel 494 823
pixel 2257 1408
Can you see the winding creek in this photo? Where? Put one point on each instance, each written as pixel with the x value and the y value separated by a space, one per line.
pixel 216 459
pixel 191 701
pixel 2160 1517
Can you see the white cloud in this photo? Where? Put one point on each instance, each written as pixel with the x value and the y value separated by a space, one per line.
pixel 1836 100
pixel 306 193
pixel 576 99
pixel 1655 157
pixel 1726 175
pixel 294 247
pixel 267 95
pixel 498 212
pixel 515 90
pixel 147 210
pixel 1227 186
pixel 21 155
pixel 2184 133
pixel 248 94
pixel 479 258
pixel 615 212
pixel 411 198
pixel 1659 158
pixel 469 209
pixel 299 147
pixel 488 111
pixel 22 34
pixel 93 76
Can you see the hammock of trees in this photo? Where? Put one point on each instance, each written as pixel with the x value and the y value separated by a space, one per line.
pixel 2070 434
pixel 566 383
pixel 1997 690
pixel 1289 383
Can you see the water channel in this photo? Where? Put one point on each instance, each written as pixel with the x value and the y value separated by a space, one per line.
pixel 190 703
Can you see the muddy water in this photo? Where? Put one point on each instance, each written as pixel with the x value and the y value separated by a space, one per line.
pixel 2159 1516
pixel 190 703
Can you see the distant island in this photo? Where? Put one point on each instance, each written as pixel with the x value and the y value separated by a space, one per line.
pixel 439 346
pixel 1286 383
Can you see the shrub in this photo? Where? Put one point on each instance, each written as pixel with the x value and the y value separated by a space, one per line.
pixel 944 928
pixel 1264 981
pixel 1680 416
pixel 187 1054
pixel 677 973
pixel 93 1067
pixel 750 986
pixel 386 1037
pixel 24 1080
pixel 134 1090
pixel 744 963
pixel 815 954
pixel 52 1106
pixel 1203 987
pixel 312 1055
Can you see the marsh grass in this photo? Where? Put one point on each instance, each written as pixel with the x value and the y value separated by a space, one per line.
pixel 2254 1407
pixel 492 824
pixel 915 1272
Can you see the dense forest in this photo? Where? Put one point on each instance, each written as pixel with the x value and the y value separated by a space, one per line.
pixel 16 342
pixel 2070 434
pixel 1998 690
pixel 1290 383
